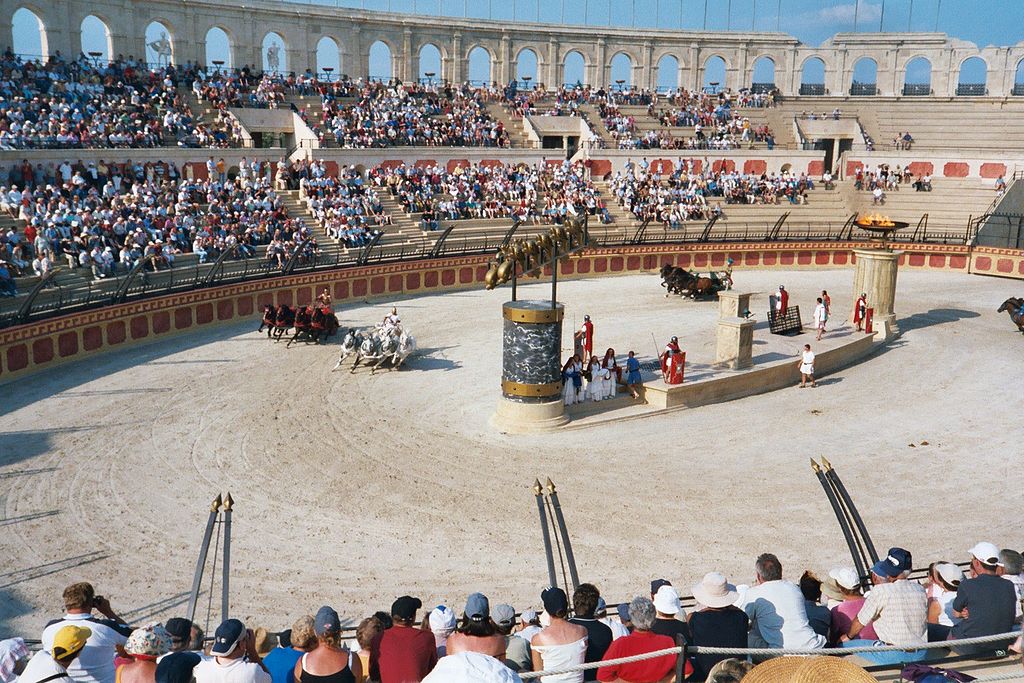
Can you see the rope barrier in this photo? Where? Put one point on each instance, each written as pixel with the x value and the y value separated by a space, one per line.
pixel 774 652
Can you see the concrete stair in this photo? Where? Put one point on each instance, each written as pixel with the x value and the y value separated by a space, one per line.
pixel 950 205
pixel 514 125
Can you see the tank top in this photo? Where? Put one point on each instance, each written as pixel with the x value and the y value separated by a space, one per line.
pixel 343 676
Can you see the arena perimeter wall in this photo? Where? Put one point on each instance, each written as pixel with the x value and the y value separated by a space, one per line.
pixel 36 346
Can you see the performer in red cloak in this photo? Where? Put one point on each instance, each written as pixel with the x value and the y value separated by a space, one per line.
pixel 672 362
pixel 860 311
pixel 782 301
pixel 584 338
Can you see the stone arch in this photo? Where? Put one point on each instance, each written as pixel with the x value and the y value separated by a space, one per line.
pixel 159 43
pixel 527 64
pixel 621 69
pixel 762 74
pixel 668 72
pixel 275 53
pixel 96 37
pixel 479 61
pixel 29 33
pixel 917 76
pixel 430 59
pixel 865 77
pixel 574 68
pixel 1018 78
pixel 812 76
pixel 328 56
pixel 382 60
pixel 219 47
pixel 713 73
pixel 973 76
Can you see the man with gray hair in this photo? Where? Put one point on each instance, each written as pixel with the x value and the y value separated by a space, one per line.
pixel 641 641
pixel 777 611
pixel 1013 565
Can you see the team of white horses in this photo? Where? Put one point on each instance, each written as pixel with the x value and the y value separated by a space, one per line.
pixel 380 345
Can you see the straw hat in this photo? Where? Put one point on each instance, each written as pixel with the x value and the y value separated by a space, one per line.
pixel 808 670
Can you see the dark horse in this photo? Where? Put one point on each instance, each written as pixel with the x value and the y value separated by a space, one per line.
pixel 1015 307
pixel 303 324
pixel 268 320
pixel 284 321
pixel 314 324
pixel 675 279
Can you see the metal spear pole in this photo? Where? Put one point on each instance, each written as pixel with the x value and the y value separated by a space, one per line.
pixel 844 523
pixel 204 548
pixel 225 593
pixel 570 558
pixel 833 476
pixel 548 554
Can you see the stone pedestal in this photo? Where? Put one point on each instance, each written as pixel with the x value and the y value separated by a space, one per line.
pixel 735 343
pixel 733 304
pixel 875 275
pixel 531 373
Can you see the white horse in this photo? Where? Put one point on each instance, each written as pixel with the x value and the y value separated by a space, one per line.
pixel 406 347
pixel 349 345
pixel 388 349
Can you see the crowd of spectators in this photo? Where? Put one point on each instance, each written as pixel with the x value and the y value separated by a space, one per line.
pixel 538 194
pixel 348 208
pixel 78 103
pixel 686 194
pixel 492 643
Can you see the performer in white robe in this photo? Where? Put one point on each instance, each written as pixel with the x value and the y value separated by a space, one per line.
pixel 595 388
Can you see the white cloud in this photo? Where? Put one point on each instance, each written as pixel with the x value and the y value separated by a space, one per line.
pixel 840 17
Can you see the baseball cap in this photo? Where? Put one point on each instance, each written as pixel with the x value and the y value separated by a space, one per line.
pixel 658 583
pixel 504 615
pixel 478 608
pixel 227 637
pixel 442 619
pixel 950 573
pixel 405 607
pixel 555 600
pixel 602 608
pixel 666 600
pixel 179 628
pixel 69 640
pixel 845 577
pixel 623 610
pixel 986 553
pixel 528 616
pixel 893 564
pixel 326 621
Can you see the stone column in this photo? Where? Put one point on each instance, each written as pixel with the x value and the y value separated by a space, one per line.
pixel 735 348
pixel 408 69
pixel 552 79
pixel 599 77
pixel 457 69
pixel 505 68
pixel 875 275
pixel 531 376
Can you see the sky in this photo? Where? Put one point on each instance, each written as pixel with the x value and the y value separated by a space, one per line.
pixel 811 21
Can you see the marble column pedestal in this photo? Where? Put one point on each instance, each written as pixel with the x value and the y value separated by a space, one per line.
pixel 735 348
pixel 875 275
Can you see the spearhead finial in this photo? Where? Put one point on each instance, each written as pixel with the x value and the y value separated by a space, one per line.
pixel 228 502
pixel 815 466
pixel 551 486
pixel 215 505
pixel 826 464
pixel 537 490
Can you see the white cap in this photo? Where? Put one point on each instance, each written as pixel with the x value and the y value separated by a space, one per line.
pixel 666 600
pixel 950 573
pixel 986 553
pixel 442 619
pixel 845 577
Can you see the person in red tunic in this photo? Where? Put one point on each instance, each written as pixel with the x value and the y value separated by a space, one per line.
pixel 642 641
pixel 782 301
pixel 860 310
pixel 584 338
pixel 671 365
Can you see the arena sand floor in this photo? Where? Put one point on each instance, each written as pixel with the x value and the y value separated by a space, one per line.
pixel 352 489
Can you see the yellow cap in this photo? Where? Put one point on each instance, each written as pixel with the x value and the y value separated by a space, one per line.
pixel 69 640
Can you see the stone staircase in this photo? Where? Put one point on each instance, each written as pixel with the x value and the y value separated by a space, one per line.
pixel 514 125
pixel 950 205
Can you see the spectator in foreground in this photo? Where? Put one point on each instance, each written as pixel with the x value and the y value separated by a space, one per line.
pixel 777 611
pixel 328 660
pixel 52 662
pixel 729 671
pixel 666 602
pixel 144 646
pixel 471 667
pixel 617 627
pixel 898 608
pixel 233 657
pixel 529 625
pixel 367 632
pixel 178 665
pixel 1013 565
pixel 442 625
pixel 985 603
pixel 476 631
pixel 818 615
pixel 280 662
pixel 95 664
pixel 13 659
pixel 641 641
pixel 946 578
pixel 404 653
pixel 599 636
pixel 517 650
pixel 843 586
pixel 561 643
pixel 718 622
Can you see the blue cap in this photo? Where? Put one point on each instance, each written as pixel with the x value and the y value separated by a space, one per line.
pixel 227 637
pixel 893 564
pixel 555 600
pixel 623 610
pixel 477 607
pixel 326 621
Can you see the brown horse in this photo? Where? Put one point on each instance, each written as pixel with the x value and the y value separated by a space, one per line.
pixel 1015 308
pixel 700 286
pixel 268 320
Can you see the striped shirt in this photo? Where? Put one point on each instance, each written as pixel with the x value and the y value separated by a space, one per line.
pixel 899 612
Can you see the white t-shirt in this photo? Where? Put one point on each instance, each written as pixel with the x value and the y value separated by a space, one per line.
pixel 96 663
pixel 42 666
pixel 820 316
pixel 778 616
pixel 236 671
pixel 471 667
pixel 808 360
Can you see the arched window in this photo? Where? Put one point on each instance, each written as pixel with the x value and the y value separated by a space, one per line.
pixel 668 73
pixel 574 69
pixel 714 74
pixel 865 77
pixel 430 64
pixel 812 77
pixel 917 79
pixel 328 58
pixel 973 77
pixel 526 67
pixel 763 75
pixel 1018 79
pixel 96 39
pixel 622 71
pixel 381 61
pixel 275 57
pixel 218 49
pixel 479 66
pixel 29 34
pixel 159 46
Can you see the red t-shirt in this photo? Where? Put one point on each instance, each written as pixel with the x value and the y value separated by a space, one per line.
pixel 645 671
pixel 404 655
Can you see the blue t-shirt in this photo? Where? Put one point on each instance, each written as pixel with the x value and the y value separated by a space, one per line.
pixel 280 662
